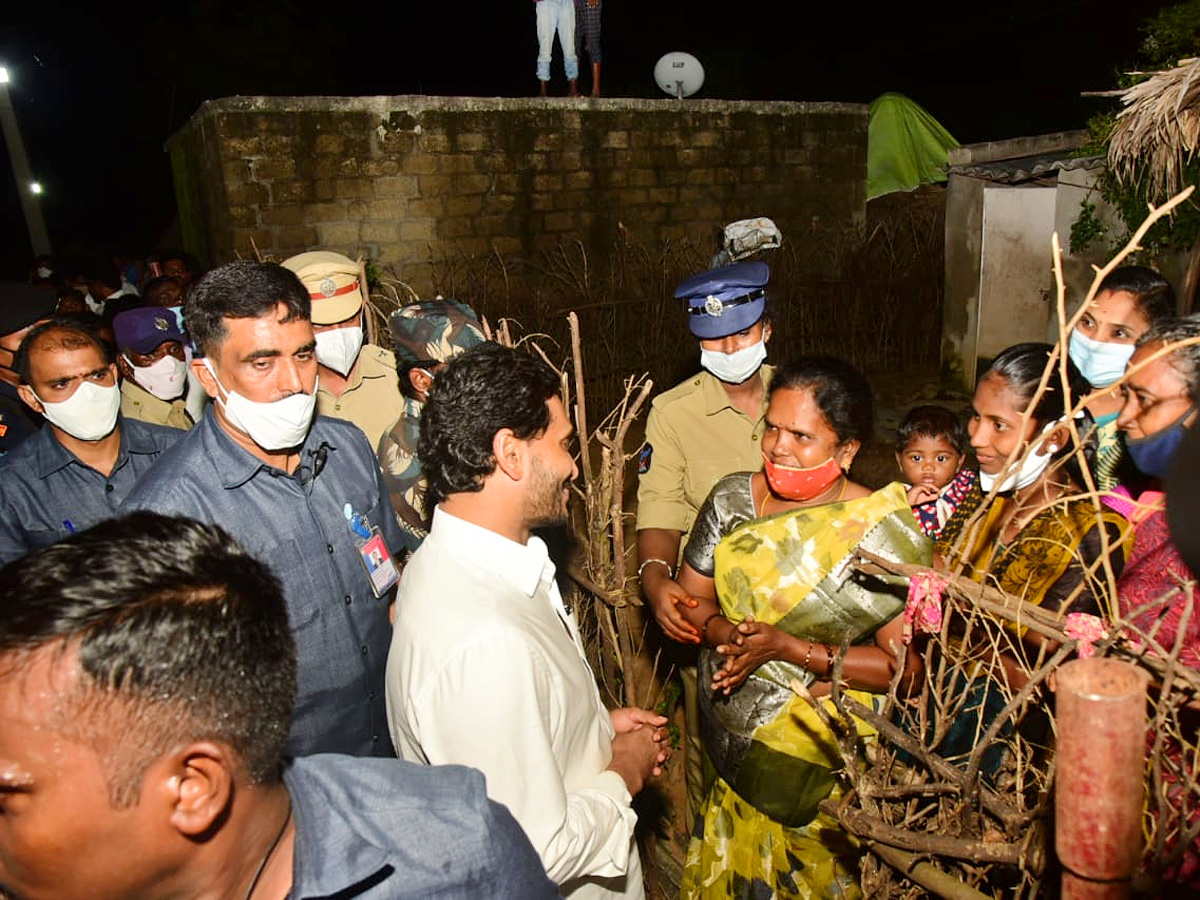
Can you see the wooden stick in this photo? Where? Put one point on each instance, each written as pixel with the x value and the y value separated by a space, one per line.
pixel 924 874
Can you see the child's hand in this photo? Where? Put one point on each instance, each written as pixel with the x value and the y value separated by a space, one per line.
pixel 922 493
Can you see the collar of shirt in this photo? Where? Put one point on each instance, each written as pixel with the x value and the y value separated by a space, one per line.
pixel 235 464
pixel 525 565
pixel 716 398
pixel 51 456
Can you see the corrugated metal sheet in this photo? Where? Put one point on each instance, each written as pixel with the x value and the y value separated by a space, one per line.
pixel 1025 168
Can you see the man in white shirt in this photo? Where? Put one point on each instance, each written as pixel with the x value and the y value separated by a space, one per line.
pixel 486 667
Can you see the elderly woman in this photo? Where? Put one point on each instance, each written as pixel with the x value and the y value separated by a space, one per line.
pixel 1157 592
pixel 1161 398
pixel 768 563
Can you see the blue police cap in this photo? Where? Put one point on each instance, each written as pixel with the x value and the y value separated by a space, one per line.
pixel 726 300
pixel 144 328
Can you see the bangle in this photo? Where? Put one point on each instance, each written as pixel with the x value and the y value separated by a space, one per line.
pixel 807 656
pixel 670 569
pixel 704 627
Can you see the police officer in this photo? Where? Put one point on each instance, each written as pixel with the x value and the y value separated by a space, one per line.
pixel 356 381
pixel 698 432
pixel 153 362
pixel 425 336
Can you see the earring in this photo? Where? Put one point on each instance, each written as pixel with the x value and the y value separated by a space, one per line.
pixel 1053 448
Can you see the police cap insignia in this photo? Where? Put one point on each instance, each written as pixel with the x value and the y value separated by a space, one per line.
pixel 327 287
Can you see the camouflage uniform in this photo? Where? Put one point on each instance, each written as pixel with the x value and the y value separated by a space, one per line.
pixel 431 331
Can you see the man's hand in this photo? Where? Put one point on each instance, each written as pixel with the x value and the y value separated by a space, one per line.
pixel 631 718
pixel 666 596
pixel 922 493
pixel 640 754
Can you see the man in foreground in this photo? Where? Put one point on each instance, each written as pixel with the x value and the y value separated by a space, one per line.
pixel 486 666
pixel 147 676
pixel 303 494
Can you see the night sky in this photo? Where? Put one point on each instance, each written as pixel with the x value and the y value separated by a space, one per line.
pixel 98 91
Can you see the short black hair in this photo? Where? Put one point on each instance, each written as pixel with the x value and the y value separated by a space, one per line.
pixel 154 285
pixel 190 263
pixel 244 289
pixel 841 392
pixel 933 421
pixel 1153 294
pixel 179 635
pixel 488 388
pixel 71 332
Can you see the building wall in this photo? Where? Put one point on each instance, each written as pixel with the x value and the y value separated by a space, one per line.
pixel 408 180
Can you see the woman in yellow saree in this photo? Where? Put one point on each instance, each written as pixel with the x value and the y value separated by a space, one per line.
pixel 774 597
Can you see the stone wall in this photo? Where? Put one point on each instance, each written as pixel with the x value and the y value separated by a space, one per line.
pixel 409 180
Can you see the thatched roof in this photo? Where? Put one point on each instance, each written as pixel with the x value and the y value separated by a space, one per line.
pixel 1158 132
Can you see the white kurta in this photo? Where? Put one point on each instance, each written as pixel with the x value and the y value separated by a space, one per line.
pixel 486 669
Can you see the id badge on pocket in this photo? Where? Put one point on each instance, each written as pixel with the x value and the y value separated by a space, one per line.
pixel 374 553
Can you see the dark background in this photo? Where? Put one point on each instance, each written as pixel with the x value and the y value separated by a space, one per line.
pixel 98 88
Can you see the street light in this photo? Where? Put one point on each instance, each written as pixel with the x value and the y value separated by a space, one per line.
pixel 21 174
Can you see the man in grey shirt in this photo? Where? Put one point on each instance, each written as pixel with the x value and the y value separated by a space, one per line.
pixel 147 675
pixel 302 493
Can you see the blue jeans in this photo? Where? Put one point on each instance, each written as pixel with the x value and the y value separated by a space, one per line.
pixel 552 16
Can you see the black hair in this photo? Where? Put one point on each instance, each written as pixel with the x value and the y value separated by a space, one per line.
pixel 1021 366
pixel 73 334
pixel 190 263
pixel 178 635
pixel 1153 294
pixel 1185 360
pixel 933 422
pixel 154 285
pixel 841 392
pixel 488 388
pixel 244 289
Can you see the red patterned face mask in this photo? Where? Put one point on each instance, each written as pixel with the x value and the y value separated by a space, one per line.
pixel 801 484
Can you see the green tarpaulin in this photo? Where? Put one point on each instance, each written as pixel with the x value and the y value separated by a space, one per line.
pixel 906 146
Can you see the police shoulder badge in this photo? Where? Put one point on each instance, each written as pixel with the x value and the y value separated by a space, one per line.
pixel 644 459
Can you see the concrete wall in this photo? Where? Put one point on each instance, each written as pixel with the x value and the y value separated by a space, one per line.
pixel 408 180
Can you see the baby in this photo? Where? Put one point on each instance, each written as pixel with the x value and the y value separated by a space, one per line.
pixel 931 445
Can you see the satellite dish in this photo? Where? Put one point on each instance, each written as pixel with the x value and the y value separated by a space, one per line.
pixel 679 74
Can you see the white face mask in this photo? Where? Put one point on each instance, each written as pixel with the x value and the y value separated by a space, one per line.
pixel 165 378
pixel 1027 470
pixel 1100 362
pixel 43 272
pixel 96 306
pixel 274 426
pixel 338 348
pixel 88 414
pixel 736 367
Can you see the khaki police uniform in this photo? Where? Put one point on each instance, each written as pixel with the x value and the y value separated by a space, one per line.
pixel 138 403
pixel 694 437
pixel 372 399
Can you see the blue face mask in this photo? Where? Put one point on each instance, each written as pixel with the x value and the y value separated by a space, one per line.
pixel 1153 453
pixel 1101 363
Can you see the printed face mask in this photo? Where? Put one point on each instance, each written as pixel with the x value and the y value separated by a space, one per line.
pixel 277 425
pixel 1101 363
pixel 165 379
pixel 801 484
pixel 88 414
pixel 338 348
pixel 1153 453
pixel 736 367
